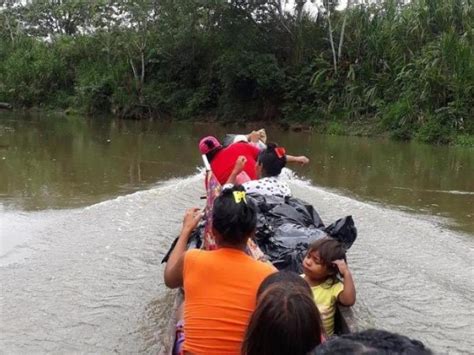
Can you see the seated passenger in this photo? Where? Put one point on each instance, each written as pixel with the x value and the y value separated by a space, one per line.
pixel 324 262
pixel 222 159
pixel 372 341
pixel 270 163
pixel 286 320
pixel 289 278
pixel 220 286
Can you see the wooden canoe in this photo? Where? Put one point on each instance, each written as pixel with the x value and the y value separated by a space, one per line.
pixel 345 321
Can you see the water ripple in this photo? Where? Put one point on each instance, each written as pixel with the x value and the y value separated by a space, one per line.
pixel 91 281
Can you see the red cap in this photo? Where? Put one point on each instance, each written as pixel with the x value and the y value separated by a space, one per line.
pixel 208 144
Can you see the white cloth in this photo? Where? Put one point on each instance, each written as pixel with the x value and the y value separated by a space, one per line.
pixel 243 138
pixel 268 186
pixel 240 138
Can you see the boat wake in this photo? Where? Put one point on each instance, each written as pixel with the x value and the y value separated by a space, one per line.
pixel 92 279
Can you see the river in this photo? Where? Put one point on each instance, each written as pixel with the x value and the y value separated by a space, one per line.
pixel 89 207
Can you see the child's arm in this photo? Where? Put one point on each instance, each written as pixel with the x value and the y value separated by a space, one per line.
pixel 238 168
pixel 348 296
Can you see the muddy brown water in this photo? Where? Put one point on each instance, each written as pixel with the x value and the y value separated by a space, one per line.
pixel 89 206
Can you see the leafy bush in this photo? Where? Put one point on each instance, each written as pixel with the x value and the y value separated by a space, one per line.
pixel 32 74
pixel 465 140
pixel 408 67
pixel 335 128
pixel 434 131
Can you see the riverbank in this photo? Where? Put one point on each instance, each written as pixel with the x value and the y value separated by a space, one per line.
pixel 401 70
pixel 370 127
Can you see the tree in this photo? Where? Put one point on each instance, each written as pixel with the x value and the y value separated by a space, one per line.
pixel 45 18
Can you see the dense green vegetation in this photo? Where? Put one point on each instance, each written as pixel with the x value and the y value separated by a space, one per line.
pixel 407 69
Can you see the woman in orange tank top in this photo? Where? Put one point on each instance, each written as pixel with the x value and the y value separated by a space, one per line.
pixel 220 286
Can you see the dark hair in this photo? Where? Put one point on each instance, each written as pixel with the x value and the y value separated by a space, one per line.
pixel 234 221
pixel 288 278
pixel 340 346
pixel 372 341
pixel 285 321
pixel 211 155
pixel 329 250
pixel 271 164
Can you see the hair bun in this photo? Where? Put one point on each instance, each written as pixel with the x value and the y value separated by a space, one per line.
pixel 229 189
pixel 271 146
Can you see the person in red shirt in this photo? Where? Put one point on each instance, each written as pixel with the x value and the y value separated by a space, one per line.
pixel 222 159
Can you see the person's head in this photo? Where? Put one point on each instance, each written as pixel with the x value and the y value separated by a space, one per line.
pixel 285 321
pixel 209 146
pixel 372 341
pixel 288 278
pixel 271 161
pixel 234 217
pixel 318 262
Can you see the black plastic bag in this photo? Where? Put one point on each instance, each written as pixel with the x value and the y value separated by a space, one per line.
pixel 286 226
pixel 343 230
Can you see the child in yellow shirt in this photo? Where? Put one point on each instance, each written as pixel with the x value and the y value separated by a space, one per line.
pixel 323 264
